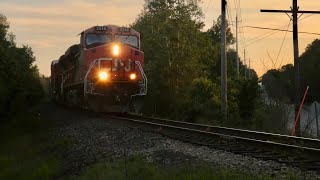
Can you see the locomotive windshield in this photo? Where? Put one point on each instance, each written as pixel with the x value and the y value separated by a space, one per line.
pixel 130 40
pixel 98 39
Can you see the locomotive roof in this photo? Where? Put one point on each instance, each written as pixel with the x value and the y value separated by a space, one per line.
pixel 112 29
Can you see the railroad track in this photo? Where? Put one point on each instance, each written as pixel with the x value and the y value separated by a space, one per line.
pixel 300 152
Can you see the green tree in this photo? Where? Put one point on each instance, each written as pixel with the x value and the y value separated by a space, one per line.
pixel 215 32
pixel 204 97
pixel 174 47
pixel 183 64
pixel 279 83
pixel 310 70
pixel 19 78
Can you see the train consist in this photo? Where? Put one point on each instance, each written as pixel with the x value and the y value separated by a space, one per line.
pixel 103 73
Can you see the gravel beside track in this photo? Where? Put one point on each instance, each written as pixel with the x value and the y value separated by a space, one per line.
pixel 92 139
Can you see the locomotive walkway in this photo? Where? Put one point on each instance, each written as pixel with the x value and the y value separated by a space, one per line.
pixel 298 152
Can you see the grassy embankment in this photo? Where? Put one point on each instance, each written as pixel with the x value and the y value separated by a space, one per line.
pixel 137 168
pixel 25 149
pixel 26 153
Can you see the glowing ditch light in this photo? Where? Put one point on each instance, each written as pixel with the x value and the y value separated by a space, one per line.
pixel 103 76
pixel 133 76
pixel 116 50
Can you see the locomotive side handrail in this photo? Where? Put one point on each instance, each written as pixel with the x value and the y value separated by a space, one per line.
pixel 62 82
pixel 145 80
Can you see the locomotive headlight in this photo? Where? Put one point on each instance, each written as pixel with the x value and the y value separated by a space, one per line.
pixel 103 76
pixel 133 76
pixel 116 50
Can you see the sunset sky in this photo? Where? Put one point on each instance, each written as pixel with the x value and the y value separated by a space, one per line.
pixel 51 26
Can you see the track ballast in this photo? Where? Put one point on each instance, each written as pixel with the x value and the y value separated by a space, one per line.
pixel 300 152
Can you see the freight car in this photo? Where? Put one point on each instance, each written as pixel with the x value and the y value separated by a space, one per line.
pixel 103 73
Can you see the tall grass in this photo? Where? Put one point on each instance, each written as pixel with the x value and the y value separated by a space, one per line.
pixel 137 168
pixel 24 152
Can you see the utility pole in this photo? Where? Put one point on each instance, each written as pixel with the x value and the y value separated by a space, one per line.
pixel 294 11
pixel 245 64
pixel 224 100
pixel 237 46
pixel 317 121
pixel 249 70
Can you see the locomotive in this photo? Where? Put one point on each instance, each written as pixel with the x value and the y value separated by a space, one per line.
pixel 103 73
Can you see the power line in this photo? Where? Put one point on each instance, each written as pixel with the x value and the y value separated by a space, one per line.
pixel 274 29
pixel 208 6
pixel 265 34
pixel 276 61
pixel 274 64
pixel 270 34
pixel 235 6
pixel 230 20
pixel 241 30
pixel 283 41
pixel 306 17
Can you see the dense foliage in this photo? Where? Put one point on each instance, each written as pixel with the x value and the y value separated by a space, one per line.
pixel 182 63
pixel 279 83
pixel 19 78
pixel 310 70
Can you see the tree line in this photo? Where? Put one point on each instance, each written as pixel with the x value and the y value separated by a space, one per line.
pixel 280 83
pixel 20 85
pixel 182 62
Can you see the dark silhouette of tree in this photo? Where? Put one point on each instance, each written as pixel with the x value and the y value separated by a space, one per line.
pixel 279 83
pixel 183 64
pixel 19 78
pixel 215 33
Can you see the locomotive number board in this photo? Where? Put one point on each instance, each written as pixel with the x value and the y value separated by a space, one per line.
pixel 101 28
pixel 124 29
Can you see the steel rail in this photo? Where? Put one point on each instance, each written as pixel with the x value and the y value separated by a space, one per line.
pixel 307 156
pixel 263 136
